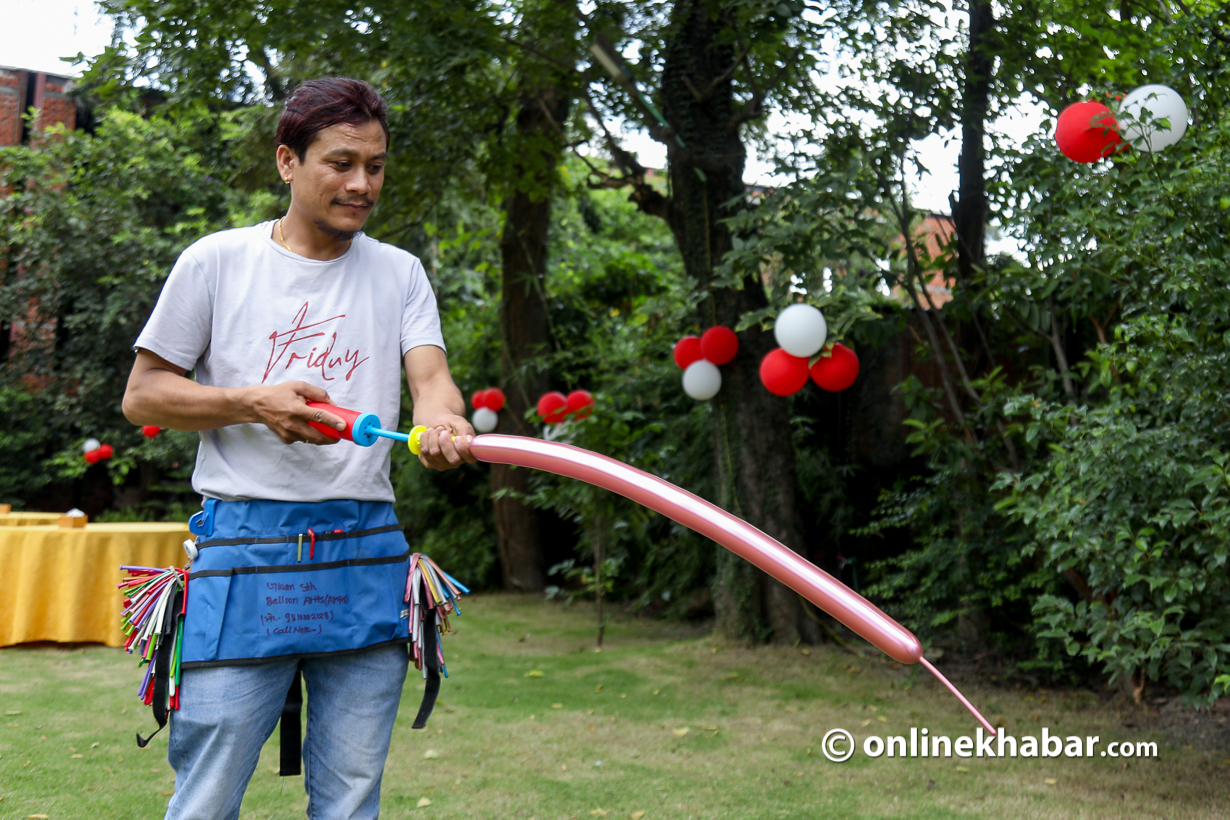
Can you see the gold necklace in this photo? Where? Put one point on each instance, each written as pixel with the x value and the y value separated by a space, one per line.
pixel 281 237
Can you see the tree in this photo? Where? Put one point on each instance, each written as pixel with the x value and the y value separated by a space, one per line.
pixel 466 107
pixel 717 68
pixel 1064 364
pixel 91 228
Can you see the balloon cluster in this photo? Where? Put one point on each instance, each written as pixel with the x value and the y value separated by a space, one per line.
pixel 487 405
pixel 801 333
pixel 555 407
pixel 95 452
pixel 699 357
pixel 1155 117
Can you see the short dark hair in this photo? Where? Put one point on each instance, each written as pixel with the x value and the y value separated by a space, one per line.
pixel 324 102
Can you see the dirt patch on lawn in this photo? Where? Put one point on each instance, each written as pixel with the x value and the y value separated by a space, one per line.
pixel 1205 729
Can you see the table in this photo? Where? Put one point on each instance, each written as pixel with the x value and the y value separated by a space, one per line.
pixel 60 585
pixel 29 519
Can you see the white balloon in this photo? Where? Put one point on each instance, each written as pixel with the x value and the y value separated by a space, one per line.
pixel 90 444
pixel 1143 129
pixel 485 419
pixel 702 380
pixel 800 330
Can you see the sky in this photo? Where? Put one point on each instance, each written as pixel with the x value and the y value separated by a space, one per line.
pixel 37 33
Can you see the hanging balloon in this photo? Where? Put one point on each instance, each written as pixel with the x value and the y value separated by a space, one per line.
pixel 479 399
pixel 687 350
pixel 552 407
pixel 1143 111
pixel 105 452
pixel 1087 132
pixel 800 330
pixel 838 370
pixel 90 444
pixel 485 419
pixel 495 399
pixel 702 380
pixel 149 431
pixel 719 344
pixel 580 404
pixel 783 374
pixel 93 456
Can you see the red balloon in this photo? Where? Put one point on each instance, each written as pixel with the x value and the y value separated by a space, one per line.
pixel 495 399
pixel 1087 132
pixel 105 452
pixel 837 371
pixel 149 431
pixel 479 399
pixel 93 456
pixel 580 404
pixel 687 350
pixel 719 344
pixel 783 374
pixel 553 407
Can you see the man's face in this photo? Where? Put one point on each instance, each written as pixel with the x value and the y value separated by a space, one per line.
pixel 338 182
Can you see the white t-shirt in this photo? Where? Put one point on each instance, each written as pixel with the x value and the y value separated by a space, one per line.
pixel 241 310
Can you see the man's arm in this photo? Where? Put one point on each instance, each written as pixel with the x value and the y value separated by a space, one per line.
pixel 158 393
pixel 439 407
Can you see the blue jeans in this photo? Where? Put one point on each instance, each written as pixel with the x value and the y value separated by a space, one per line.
pixel 227 713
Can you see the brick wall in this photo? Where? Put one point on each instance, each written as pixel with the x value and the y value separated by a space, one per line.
pixel 12 90
pixel 58 107
pixel 20 90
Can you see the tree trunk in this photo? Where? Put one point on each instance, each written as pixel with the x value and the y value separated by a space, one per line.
pixel 751 427
pixel 970 211
pixel 523 326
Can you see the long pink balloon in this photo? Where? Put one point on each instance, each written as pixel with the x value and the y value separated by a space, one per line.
pixel 736 535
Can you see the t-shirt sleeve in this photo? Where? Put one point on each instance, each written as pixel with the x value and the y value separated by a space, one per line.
pixel 179 327
pixel 420 320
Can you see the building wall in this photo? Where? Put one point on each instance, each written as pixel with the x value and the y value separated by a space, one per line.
pixel 12 90
pixel 21 90
pixel 58 107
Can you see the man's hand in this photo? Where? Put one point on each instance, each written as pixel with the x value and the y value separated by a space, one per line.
pixel 446 444
pixel 283 409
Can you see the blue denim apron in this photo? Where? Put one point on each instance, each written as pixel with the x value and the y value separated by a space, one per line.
pixel 281 579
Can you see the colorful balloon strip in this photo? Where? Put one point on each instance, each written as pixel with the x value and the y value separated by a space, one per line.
pixel 736 535
pixel 150 619
pixel 428 587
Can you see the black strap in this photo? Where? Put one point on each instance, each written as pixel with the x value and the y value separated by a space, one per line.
pixel 431 661
pixel 291 539
pixel 291 730
pixel 162 668
pixel 316 567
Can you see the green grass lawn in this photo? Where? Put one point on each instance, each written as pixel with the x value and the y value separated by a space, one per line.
pixel 661 724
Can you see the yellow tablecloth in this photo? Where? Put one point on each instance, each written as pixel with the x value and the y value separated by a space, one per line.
pixel 29 519
pixel 60 585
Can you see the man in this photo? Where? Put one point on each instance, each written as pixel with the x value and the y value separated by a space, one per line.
pixel 301 565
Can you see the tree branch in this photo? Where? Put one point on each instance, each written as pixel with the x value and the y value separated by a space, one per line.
pixel 1061 357
pixel 656 130
pixel 276 89
pixel 571 69
pixel 647 199
pixel 717 81
pixel 1225 38
pixel 752 109
pixel 945 378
